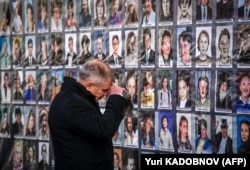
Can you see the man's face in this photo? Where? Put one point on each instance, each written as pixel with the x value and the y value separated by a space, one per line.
pixel 85 6
pixel 148 5
pixel 184 49
pixel 131 86
pixel 115 45
pixel 245 86
pixel 18 117
pixel 131 164
pixel 224 132
pixel 147 42
pixel 203 89
pixel 99 90
pixel 99 46
pixel 224 45
pixel 70 45
pixel 17 50
pixel 204 2
pixel 30 49
pixel 203 44
pixel 223 87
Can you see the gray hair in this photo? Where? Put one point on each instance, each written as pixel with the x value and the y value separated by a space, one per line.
pixel 97 71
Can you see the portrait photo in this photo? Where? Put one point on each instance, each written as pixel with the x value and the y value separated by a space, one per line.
pixel 30 129
pixel 225 10
pixel 43 87
pixel 147 129
pixel 224 129
pixel 243 10
pixel 131 48
pixel 203 142
pixel 70 22
pixel 115 13
pixel 131 130
pixel 203 55
pixel 56 16
pixel 17 26
pixel 164 94
pixel 30 89
pixel 147 89
pixel 202 93
pixel 243 50
pixel 164 132
pixel 5 52
pixel 223 91
pixel 204 11
pixel 100 45
pixel 43 51
pixel 85 49
pixel 30 59
pixel 85 15
pixel 29 20
pixel 148 55
pixel 183 90
pixel 5 118
pixel 100 14
pixel 131 16
pixel 165 43
pixel 5 18
pixel 70 47
pixel 18 87
pixel 184 12
pixel 115 59
pixel 43 16
pixel 185 142
pixel 243 136
pixel 18 121
pixel 17 52
pixel 224 46
pixel 30 149
pixel 184 47
pixel 165 12
pixel 43 155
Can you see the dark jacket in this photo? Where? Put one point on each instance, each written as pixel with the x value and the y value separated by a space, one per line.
pixel 81 135
pixel 229 144
pixel 199 15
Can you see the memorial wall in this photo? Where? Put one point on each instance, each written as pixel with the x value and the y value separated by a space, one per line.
pixel 186 65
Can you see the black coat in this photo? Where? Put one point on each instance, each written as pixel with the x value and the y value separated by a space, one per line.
pixel 81 135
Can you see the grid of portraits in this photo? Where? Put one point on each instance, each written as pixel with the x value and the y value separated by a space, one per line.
pixel 184 63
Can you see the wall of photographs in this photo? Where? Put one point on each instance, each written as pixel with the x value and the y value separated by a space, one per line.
pixel 186 66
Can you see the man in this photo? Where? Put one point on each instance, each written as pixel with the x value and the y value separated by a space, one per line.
pixel 84 16
pixel 18 125
pixel 81 134
pixel 5 57
pixel 149 16
pixel 204 11
pixel 30 59
pixel 223 96
pixel 225 9
pixel 115 58
pixel 243 100
pixel 244 49
pixel 99 44
pixel 131 86
pixel 148 55
pixel 223 142
pixel 43 164
pixel 203 101
pixel 71 56
pixel 116 16
pixel 244 10
pixel 57 53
